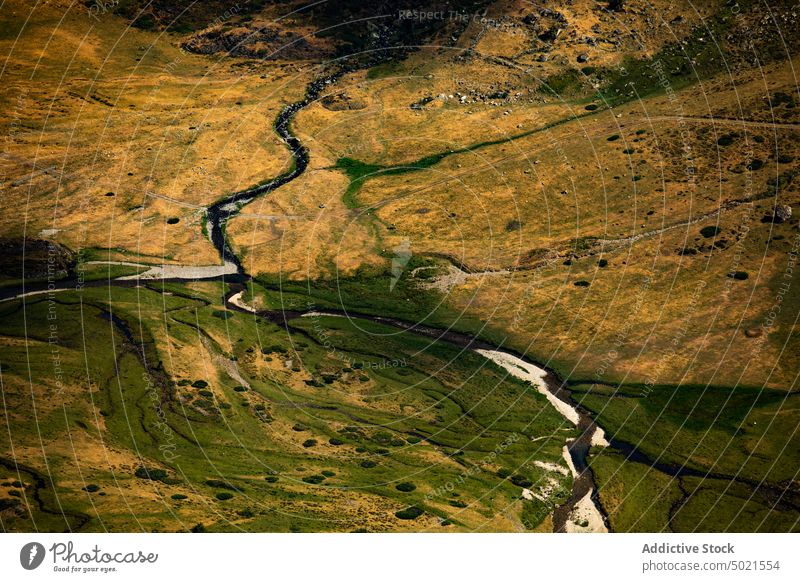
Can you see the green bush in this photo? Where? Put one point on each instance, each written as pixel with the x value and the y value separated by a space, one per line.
pixel 328 473
pixel 614 137
pixel 9 503
pixel 179 496
pixel 239 389
pixel 412 512
pixel 219 484
pixel 200 384
pixel 405 487
pixel 602 263
pixel 308 443
pixel 503 473
pixel 709 231
pixel 368 464
pixel 314 479
pixel 91 488
pixel 739 275
pixel 581 283
pixel 151 473
pixel 198 528
pixel 224 495
pixel 271 478
pixel 457 503
pixel 336 442
pixel 521 481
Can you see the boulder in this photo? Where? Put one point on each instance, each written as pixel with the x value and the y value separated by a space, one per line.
pixel 783 212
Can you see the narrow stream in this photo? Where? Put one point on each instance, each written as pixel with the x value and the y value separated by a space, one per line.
pixel 219 213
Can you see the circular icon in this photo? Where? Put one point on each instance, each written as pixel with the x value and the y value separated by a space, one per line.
pixel 31 555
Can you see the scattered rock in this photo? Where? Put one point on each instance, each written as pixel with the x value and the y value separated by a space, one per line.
pixel 783 212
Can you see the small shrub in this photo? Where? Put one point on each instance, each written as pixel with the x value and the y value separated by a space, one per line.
pixel 91 488
pixel 368 464
pixel 9 503
pixel 328 473
pixel 314 479
pixel 614 137
pixel 336 442
pixel 179 496
pixel 219 484
pixel 239 389
pixel 727 139
pixel 206 393
pixel 198 528
pixel 710 231
pixel 739 275
pixel 602 263
pixel 405 487
pixel 173 220
pixel 412 512
pixel 581 283
pixel 308 443
pixel 224 495
pixel 151 473
pixel 521 481
pixel 503 473
pixel 200 384
pixel 457 503
pixel 271 478
pixel 413 440
pixel 246 513
pixel 222 314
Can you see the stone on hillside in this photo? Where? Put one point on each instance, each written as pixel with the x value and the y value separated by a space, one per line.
pixel 783 212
